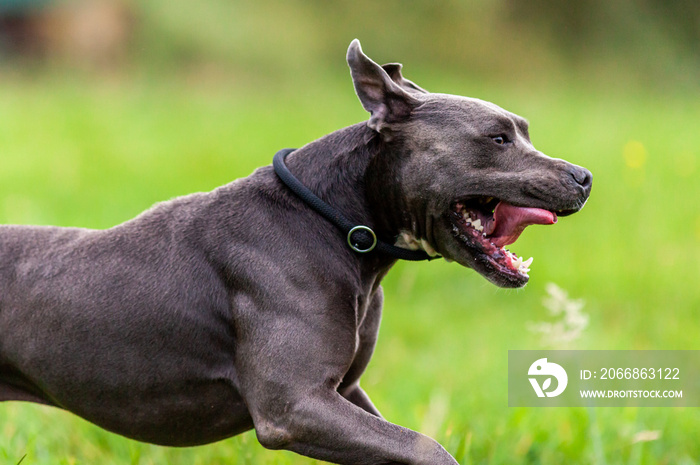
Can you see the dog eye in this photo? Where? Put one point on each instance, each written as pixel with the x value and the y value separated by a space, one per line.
pixel 501 139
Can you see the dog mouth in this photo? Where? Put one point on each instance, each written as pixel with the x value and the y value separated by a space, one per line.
pixel 485 226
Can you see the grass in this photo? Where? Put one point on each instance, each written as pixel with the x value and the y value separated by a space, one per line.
pixel 93 153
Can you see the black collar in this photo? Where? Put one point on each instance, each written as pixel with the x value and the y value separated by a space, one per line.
pixel 360 238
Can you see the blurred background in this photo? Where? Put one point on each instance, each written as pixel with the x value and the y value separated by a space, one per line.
pixel 109 106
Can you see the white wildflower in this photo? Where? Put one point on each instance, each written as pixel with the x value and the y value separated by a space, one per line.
pixel 570 322
pixel 646 436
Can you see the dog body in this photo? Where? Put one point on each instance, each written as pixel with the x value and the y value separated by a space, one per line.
pixel 242 308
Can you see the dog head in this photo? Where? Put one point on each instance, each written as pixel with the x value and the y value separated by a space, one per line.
pixel 466 178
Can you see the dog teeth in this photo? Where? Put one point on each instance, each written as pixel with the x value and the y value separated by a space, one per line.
pixel 474 223
pixel 523 266
pixel 519 264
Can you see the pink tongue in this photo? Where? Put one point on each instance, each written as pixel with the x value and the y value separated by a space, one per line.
pixel 509 221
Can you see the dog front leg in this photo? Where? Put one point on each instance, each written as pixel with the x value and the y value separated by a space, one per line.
pixel 324 425
pixel 359 397
pixel 289 370
pixel 291 361
pixel 368 331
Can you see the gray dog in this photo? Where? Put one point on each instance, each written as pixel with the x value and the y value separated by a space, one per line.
pixel 242 308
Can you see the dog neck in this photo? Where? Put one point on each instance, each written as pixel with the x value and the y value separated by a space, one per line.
pixel 346 169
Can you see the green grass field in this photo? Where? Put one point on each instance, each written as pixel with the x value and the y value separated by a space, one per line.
pixel 94 153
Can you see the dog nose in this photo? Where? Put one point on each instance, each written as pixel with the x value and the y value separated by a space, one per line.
pixel 582 176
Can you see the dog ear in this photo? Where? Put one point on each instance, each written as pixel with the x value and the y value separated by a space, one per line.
pixel 387 101
pixel 394 72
